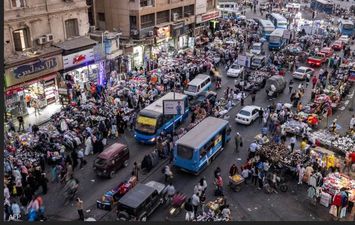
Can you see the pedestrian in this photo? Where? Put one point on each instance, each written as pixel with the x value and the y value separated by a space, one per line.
pixel 254 175
pixel 314 82
pixel 242 101
pixel 189 210
pixel 233 170
pixel 352 123
pixel 245 174
pixel 80 208
pixel 293 142
pixel 260 179
pixel 135 171
pixel 301 173
pixel 195 200
pixel 20 123
pixel 253 95
pixel 261 113
pixel 238 141
pixel 217 172
pixel 81 158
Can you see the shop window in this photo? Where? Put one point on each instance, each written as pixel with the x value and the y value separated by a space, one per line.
pixel 189 10
pixel 133 22
pixel 101 16
pixel 72 28
pixel 18 3
pixel 145 3
pixel 148 20
pixel 163 17
pixel 21 39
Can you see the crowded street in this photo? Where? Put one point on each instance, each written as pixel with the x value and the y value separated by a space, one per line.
pixel 287 130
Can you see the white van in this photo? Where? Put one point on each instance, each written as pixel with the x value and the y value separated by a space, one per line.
pixel 198 85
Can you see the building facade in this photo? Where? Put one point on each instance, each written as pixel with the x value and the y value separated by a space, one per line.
pixel 154 25
pixel 32 62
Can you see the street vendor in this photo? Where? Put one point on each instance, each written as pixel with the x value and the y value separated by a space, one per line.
pixel 233 170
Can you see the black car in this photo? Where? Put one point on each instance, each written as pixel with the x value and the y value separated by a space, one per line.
pixel 210 95
pixel 140 202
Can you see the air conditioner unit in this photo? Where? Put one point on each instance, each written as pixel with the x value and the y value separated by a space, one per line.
pixel 42 40
pixel 92 29
pixel 49 37
pixel 175 16
pixel 150 33
pixel 134 32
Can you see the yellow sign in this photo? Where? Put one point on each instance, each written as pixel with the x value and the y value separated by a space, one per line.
pixel 218 139
pixel 147 121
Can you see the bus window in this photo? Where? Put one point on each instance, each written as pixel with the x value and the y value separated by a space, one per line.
pixel 185 152
pixel 146 124
pixel 207 147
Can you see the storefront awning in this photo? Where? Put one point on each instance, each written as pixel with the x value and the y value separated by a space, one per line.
pixel 76 43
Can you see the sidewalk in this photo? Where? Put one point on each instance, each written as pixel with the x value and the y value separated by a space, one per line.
pixel 44 117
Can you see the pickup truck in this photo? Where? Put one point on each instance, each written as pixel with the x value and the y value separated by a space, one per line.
pixel 318 59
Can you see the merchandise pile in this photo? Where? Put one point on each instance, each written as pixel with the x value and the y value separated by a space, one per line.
pixel 336 181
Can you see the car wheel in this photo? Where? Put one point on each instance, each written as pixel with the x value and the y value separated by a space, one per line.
pixel 125 163
pixel 112 174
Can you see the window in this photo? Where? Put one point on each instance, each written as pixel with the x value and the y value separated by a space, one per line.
pixel 163 17
pixel 189 10
pixel 18 3
pixel 71 28
pixel 148 20
pixel 133 22
pixel 185 152
pixel 21 39
pixel 146 3
pixel 177 12
pixel 101 16
pixel 210 5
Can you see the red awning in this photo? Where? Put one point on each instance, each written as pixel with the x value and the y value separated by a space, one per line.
pixel 19 87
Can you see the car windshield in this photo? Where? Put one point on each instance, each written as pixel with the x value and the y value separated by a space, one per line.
pixel 257 61
pixel 256 47
pixel 274 39
pixel 299 70
pixel 192 88
pixel 184 152
pixel 235 67
pixel 244 113
pixel 348 26
pixel 146 124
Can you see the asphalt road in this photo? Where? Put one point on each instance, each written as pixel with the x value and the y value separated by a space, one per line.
pixel 247 205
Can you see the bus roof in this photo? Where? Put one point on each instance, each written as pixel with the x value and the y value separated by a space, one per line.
pixel 267 24
pixel 325 2
pixel 157 106
pixel 202 132
pixel 278 32
pixel 278 17
pixel 198 79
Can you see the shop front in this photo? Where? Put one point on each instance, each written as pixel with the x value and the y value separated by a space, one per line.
pixel 179 36
pixel 203 20
pixel 32 84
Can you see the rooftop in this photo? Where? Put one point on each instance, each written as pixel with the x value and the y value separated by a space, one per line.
pixel 75 43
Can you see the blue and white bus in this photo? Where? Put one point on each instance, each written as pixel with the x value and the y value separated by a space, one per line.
pixel 198 147
pixel 278 20
pixel 277 40
pixel 346 27
pixel 266 28
pixel 323 6
pixel 151 121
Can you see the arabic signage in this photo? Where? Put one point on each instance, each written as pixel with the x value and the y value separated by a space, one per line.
pixel 207 16
pixel 33 70
pixel 201 6
pixel 78 58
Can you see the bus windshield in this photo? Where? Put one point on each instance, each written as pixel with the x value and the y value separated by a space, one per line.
pixel 348 26
pixel 184 152
pixel 146 124
pixel 274 39
pixel 282 24
pixel 192 88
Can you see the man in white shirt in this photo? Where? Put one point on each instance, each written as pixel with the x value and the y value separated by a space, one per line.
pixel 352 122
pixel 293 142
pixel 195 203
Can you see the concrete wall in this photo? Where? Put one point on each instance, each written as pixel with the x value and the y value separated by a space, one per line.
pixel 42 17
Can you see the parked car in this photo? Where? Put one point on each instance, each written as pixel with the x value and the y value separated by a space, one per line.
pixel 345 39
pixel 247 114
pixel 327 51
pixel 258 61
pixel 302 72
pixel 110 160
pixel 207 95
pixel 257 48
pixel 317 59
pixel 337 45
pixel 235 70
pixel 140 202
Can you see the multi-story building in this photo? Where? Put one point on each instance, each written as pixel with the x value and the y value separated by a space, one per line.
pixel 44 43
pixel 153 25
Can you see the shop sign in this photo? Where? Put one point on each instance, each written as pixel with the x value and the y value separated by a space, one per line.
pixel 78 58
pixel 207 16
pixel 163 32
pixel 201 7
pixel 30 71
